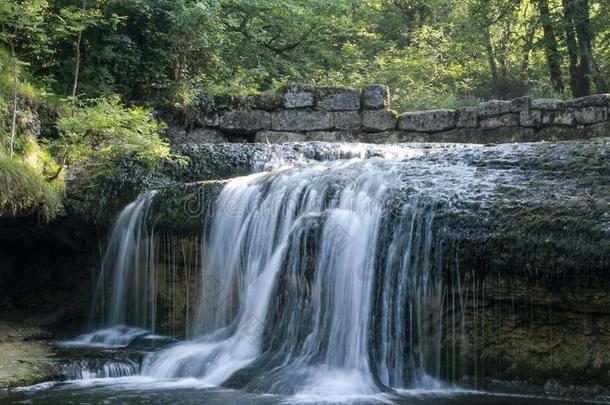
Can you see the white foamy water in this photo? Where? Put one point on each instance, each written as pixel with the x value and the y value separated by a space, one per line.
pixel 319 279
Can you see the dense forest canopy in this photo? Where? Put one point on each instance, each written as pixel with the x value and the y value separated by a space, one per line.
pixel 433 53
pixel 94 58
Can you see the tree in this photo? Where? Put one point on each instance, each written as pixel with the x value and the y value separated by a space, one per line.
pixel 553 57
pixel 579 36
pixel 107 130
pixel 74 21
pixel 21 22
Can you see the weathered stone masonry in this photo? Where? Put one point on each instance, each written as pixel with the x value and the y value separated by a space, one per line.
pixel 302 113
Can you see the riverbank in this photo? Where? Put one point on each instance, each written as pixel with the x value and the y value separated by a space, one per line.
pixel 26 351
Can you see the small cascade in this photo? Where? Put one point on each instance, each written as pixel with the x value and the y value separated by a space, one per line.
pixel 99 368
pixel 126 291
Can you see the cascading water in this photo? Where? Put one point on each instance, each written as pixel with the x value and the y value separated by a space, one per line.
pixel 129 263
pixel 322 278
pixel 292 260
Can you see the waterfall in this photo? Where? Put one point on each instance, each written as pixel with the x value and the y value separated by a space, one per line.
pixel 313 281
pixel 317 278
pixel 126 291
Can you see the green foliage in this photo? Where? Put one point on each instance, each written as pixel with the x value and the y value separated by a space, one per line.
pixel 108 130
pixel 438 53
pixel 24 187
pixel 114 151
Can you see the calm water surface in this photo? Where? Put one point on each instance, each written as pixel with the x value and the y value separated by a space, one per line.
pixel 140 391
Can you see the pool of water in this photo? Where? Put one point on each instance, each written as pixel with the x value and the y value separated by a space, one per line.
pixel 140 390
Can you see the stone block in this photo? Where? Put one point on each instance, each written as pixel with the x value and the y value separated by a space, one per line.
pixel 340 100
pixel 278 137
pixel 244 121
pixel 467 117
pixel 268 102
pixel 295 97
pixel 198 136
pixel 427 121
pixel 588 101
pixel 376 97
pixel 506 120
pixel 591 115
pixel 347 120
pixel 379 121
pixel 531 119
pixel 494 108
pixel 564 117
pixel 521 104
pixel 546 104
pixel 301 121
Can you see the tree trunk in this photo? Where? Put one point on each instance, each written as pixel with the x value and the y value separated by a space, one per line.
pixel 15 101
pixel 588 67
pixel 528 44
pixel 575 79
pixel 553 57
pixel 77 67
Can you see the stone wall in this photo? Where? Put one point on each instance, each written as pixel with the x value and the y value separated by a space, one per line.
pixel 302 113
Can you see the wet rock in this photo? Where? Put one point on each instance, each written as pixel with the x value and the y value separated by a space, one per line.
pixel 342 100
pixel 295 97
pixel 376 97
pixel 301 121
pixel 331 136
pixel 378 121
pixel 427 121
pixel 245 121
pixel 347 120
pixel 279 137
pixel 494 107
pixel 384 137
pixel 467 117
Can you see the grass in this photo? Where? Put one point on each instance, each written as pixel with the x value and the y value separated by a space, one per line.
pixel 24 185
